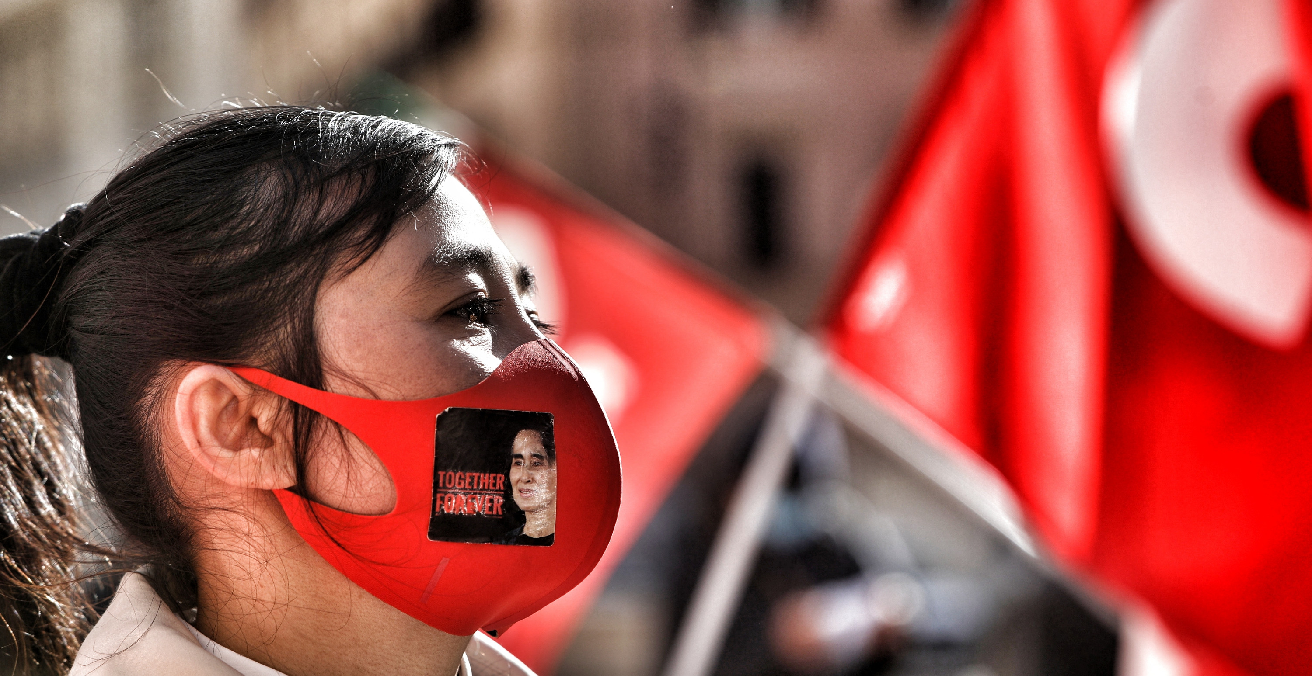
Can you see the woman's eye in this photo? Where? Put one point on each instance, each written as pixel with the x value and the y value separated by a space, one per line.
pixel 478 311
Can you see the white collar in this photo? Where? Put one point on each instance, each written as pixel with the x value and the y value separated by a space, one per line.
pixel 138 635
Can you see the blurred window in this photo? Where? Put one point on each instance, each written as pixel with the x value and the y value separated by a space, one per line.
pixel 450 25
pixel 720 14
pixel 927 10
pixel 30 128
pixel 762 208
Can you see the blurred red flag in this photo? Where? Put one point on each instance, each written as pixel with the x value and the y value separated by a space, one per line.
pixel 971 305
pixel 1299 15
pixel 666 350
pixel 1095 268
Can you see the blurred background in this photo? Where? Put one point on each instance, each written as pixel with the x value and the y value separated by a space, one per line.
pixel 744 132
pixel 748 135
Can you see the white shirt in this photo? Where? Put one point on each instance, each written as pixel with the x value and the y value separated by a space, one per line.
pixel 139 636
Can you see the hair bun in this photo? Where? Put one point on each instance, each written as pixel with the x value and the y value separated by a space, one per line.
pixel 32 266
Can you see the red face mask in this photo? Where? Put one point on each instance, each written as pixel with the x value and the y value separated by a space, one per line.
pixel 481 476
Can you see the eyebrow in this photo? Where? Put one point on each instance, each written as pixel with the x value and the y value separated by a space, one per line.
pixel 453 260
pixel 525 279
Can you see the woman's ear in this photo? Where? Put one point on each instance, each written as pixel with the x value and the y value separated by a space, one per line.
pixel 233 429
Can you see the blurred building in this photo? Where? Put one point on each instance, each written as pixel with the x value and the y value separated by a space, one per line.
pixel 81 81
pixel 745 132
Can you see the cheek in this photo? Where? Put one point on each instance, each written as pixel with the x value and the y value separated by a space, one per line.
pixel 396 355
pixel 404 364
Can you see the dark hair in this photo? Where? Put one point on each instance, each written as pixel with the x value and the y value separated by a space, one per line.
pixel 211 247
pixel 543 425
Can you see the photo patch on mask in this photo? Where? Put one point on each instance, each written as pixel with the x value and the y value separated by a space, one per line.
pixel 494 477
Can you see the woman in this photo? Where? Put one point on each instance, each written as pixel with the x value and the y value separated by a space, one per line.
pixel 532 481
pixel 334 250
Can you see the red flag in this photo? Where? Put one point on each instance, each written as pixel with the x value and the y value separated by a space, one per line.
pixel 971 305
pixel 1298 13
pixel 1092 271
pixel 666 350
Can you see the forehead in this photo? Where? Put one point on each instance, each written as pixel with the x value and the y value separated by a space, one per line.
pixel 457 234
pixel 461 216
pixel 528 436
pixel 447 240
pixel 528 439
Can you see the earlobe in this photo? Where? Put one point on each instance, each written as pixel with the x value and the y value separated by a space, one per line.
pixel 232 430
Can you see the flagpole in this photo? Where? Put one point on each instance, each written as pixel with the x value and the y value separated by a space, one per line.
pixel 721 585
pixel 811 379
pixel 910 437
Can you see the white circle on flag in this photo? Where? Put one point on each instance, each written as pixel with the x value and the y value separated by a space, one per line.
pixel 610 373
pixel 1178 104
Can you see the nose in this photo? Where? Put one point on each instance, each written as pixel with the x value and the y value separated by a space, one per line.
pixel 516 329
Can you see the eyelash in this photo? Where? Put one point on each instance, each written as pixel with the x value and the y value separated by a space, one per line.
pixel 547 328
pixel 478 310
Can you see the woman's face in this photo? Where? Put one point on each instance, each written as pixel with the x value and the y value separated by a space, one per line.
pixel 432 313
pixel 532 474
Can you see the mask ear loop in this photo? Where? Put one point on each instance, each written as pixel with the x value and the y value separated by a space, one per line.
pixel 373 420
pixel 378 420
pixel 391 429
pixel 349 411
